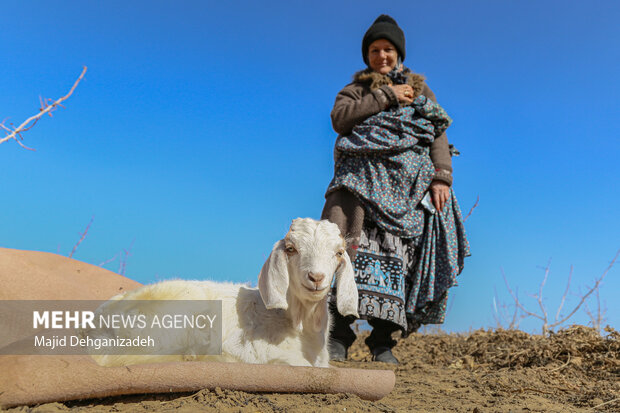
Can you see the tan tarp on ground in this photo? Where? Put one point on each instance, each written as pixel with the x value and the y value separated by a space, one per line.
pixel 29 275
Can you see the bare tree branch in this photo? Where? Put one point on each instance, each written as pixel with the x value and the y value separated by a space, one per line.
pixel 124 256
pixel 570 275
pixel 516 300
pixel 539 298
pixel 109 260
pixel 514 323
pixel 472 208
pixel 501 313
pixel 83 235
pixel 597 319
pixel 595 287
pixel 47 107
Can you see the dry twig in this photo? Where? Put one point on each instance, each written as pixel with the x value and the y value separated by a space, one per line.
pixel 563 365
pixel 516 299
pixel 543 316
pixel 501 314
pixel 47 107
pixel 472 208
pixel 109 260
pixel 596 318
pixel 124 256
pixel 539 297
pixel 603 404
pixel 82 236
pixel 594 288
pixel 570 276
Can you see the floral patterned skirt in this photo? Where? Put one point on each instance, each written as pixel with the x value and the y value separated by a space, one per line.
pixel 406 280
pixel 386 276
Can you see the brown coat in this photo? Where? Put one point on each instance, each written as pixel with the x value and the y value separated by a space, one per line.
pixel 367 95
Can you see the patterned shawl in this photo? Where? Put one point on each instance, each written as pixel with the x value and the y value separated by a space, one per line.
pixel 385 162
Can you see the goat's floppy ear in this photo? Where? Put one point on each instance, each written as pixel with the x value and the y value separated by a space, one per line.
pixel 346 290
pixel 273 278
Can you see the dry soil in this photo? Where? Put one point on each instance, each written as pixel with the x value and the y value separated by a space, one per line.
pixel 575 370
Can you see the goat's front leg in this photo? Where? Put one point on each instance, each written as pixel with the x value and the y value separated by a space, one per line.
pixel 323 358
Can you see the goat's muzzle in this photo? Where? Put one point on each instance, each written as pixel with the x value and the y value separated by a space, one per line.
pixel 316 277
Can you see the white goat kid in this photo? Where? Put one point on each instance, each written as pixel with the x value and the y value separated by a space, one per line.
pixel 286 320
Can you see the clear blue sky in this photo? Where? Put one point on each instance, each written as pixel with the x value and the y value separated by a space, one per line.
pixel 202 128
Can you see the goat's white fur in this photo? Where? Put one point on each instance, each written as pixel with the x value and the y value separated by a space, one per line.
pixel 283 321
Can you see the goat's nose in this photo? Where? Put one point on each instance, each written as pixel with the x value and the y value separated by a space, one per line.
pixel 316 277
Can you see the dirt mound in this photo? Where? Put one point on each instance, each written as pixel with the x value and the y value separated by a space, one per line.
pixel 574 370
pixel 579 346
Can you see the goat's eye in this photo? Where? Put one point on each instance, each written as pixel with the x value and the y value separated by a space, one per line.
pixel 290 250
pixel 340 253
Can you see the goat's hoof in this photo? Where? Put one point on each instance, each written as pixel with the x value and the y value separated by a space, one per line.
pixel 337 351
pixel 384 355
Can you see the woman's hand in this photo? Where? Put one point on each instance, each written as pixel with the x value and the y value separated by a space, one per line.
pixel 404 93
pixel 440 192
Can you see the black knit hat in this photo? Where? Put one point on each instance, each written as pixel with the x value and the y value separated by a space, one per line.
pixel 384 27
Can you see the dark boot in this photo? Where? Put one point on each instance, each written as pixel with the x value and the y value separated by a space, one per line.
pixel 380 341
pixel 337 350
pixel 341 336
pixel 384 355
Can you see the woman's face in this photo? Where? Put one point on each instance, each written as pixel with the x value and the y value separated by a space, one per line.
pixel 382 56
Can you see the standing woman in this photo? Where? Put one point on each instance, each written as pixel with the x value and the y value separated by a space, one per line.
pixel 391 196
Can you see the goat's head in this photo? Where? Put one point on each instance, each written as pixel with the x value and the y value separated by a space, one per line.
pixel 304 264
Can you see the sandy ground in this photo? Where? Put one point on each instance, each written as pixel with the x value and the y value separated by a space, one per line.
pixel 575 370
